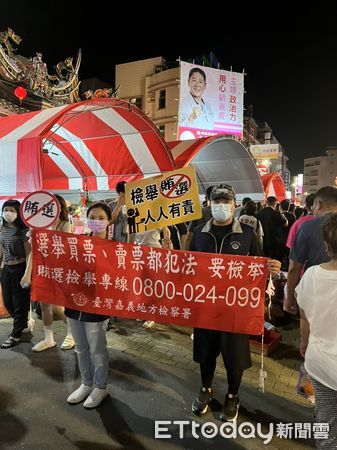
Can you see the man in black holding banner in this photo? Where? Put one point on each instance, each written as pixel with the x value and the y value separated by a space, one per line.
pixel 224 234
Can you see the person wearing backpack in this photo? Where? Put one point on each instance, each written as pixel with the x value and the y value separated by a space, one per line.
pixel 249 218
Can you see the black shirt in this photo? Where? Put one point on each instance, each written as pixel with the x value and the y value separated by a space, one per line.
pixel 240 241
pixel 271 221
pixel 220 232
pixel 177 230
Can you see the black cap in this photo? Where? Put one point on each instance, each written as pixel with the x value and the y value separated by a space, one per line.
pixel 223 191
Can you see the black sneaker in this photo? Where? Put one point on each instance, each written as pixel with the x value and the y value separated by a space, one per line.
pixel 200 404
pixel 10 342
pixel 230 409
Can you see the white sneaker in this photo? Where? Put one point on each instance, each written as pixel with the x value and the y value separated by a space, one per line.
pixel 95 398
pixel 30 326
pixel 79 395
pixel 27 330
pixel 148 324
pixel 68 343
pixel 43 345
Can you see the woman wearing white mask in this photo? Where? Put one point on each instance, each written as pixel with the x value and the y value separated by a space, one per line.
pixel 88 330
pixel 14 249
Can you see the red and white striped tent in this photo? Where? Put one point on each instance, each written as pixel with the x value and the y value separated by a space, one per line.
pixel 220 159
pixel 274 186
pixel 89 145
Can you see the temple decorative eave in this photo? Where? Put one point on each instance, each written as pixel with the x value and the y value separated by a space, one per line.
pixel 8 108
pixel 43 89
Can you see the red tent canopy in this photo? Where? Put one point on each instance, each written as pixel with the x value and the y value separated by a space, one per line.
pixel 89 145
pixel 184 151
pixel 274 186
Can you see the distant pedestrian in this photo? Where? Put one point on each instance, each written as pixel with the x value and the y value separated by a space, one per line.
pixel 249 218
pixel 309 201
pixel 298 212
pixel 283 233
pixel 245 200
pixel 271 221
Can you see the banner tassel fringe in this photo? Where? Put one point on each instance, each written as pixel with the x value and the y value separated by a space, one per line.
pixel 262 373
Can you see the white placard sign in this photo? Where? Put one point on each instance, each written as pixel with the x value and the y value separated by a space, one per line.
pixel 40 209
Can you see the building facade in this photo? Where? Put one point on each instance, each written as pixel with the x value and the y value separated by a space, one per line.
pixel 320 171
pixel 154 87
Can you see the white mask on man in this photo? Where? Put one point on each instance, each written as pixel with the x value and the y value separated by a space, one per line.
pixel 221 211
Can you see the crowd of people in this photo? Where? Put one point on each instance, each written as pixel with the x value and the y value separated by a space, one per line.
pixel 299 241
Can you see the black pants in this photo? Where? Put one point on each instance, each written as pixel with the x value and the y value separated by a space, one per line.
pixel 16 299
pixel 234 348
pixel 234 376
pixel 284 257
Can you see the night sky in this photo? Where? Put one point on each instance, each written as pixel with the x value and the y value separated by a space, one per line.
pixel 291 77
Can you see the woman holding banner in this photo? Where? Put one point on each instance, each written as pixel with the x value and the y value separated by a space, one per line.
pixel 47 310
pixel 14 249
pixel 89 330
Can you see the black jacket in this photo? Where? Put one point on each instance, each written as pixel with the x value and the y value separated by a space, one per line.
pixel 242 240
pixel 84 316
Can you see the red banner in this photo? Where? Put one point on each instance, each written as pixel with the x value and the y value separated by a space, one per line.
pixel 204 290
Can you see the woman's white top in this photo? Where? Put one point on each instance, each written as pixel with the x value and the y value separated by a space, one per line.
pixel 317 296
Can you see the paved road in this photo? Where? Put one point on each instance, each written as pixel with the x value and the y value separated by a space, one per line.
pixel 152 377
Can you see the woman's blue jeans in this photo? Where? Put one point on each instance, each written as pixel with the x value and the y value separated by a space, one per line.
pixel 92 352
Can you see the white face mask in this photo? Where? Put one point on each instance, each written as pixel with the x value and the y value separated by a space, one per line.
pixel 10 216
pixel 221 212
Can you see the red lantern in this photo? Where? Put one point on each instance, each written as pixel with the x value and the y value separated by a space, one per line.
pixel 20 92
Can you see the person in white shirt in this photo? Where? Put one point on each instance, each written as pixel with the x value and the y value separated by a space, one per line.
pixel 317 299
